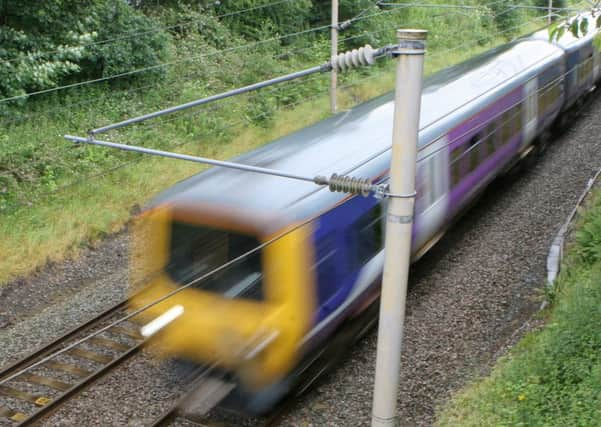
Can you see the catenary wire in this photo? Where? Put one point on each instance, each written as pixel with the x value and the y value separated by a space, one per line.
pixel 128 34
pixel 87 102
pixel 165 64
pixel 119 166
pixel 122 165
pixel 179 61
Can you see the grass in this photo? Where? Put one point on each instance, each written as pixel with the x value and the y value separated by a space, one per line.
pixel 553 376
pixel 56 199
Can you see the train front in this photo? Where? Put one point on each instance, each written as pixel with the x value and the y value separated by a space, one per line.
pixel 221 291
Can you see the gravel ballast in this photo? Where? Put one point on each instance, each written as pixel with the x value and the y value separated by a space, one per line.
pixel 470 297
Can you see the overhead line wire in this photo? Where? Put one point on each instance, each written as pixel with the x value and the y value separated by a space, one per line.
pixel 165 64
pixel 387 28
pixel 172 63
pixel 127 34
pixel 176 80
pixel 112 169
pixel 459 6
pixel 437 53
pixel 445 146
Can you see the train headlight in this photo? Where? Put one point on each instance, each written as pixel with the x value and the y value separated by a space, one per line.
pixel 160 322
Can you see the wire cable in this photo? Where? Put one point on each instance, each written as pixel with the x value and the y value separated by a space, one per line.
pixel 128 34
pixel 172 63
pixel 119 166
pixel 165 64
pixel 106 172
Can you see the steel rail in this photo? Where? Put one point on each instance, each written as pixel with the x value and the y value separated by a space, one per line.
pixel 47 349
pixel 46 357
pixel 61 400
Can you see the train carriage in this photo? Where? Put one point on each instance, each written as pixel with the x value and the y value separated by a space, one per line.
pixel 320 256
pixel 582 60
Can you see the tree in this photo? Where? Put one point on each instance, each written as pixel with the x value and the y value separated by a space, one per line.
pixel 42 44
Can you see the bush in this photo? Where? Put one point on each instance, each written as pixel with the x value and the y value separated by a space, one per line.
pixel 283 18
pixel 42 44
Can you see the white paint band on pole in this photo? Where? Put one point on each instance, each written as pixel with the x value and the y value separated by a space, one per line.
pixel 410 56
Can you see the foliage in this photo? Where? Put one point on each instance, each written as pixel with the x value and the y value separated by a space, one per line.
pixel 578 26
pixel 43 43
pixel 287 17
pixel 588 236
pixel 505 15
pixel 553 377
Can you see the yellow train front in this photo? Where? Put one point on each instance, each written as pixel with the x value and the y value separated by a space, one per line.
pixel 243 300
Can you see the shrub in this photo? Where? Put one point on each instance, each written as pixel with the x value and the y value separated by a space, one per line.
pixel 44 43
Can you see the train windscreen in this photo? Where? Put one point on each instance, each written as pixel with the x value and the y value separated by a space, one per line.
pixel 196 250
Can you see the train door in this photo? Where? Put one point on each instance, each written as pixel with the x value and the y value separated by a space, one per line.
pixel 432 185
pixel 530 112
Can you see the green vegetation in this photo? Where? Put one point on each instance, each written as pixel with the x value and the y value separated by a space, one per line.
pixel 552 377
pixel 56 198
pixel 57 41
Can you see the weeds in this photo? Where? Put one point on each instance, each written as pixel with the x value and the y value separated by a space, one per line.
pixel 552 377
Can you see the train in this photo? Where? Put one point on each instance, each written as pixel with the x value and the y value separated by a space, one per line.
pixel 265 272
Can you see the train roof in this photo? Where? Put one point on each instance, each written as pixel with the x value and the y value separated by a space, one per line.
pixel 340 143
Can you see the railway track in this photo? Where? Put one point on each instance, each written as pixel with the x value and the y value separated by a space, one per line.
pixel 197 408
pixel 46 379
pixel 199 404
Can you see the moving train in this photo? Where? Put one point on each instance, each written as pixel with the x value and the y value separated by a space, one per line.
pixel 297 263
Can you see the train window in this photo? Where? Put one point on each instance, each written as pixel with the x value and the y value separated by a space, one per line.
pixel 369 234
pixel 543 100
pixel 196 250
pixel 422 186
pixel 326 266
pixel 548 97
pixel 491 138
pixel 506 127
pixel 475 144
pixel 437 165
pixel 517 119
pixel 456 169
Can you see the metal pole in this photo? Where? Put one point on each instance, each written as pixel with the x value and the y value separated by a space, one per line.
pixel 228 94
pixel 550 11
pixel 410 54
pixel 334 52
pixel 196 159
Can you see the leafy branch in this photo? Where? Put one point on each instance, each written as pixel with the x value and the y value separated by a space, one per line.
pixel 579 25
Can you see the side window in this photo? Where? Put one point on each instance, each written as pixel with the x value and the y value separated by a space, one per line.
pixel 491 138
pixel 474 148
pixel 422 186
pixel 430 185
pixel 326 267
pixel 456 169
pixel 506 127
pixel 517 119
pixel 543 99
pixel 369 234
